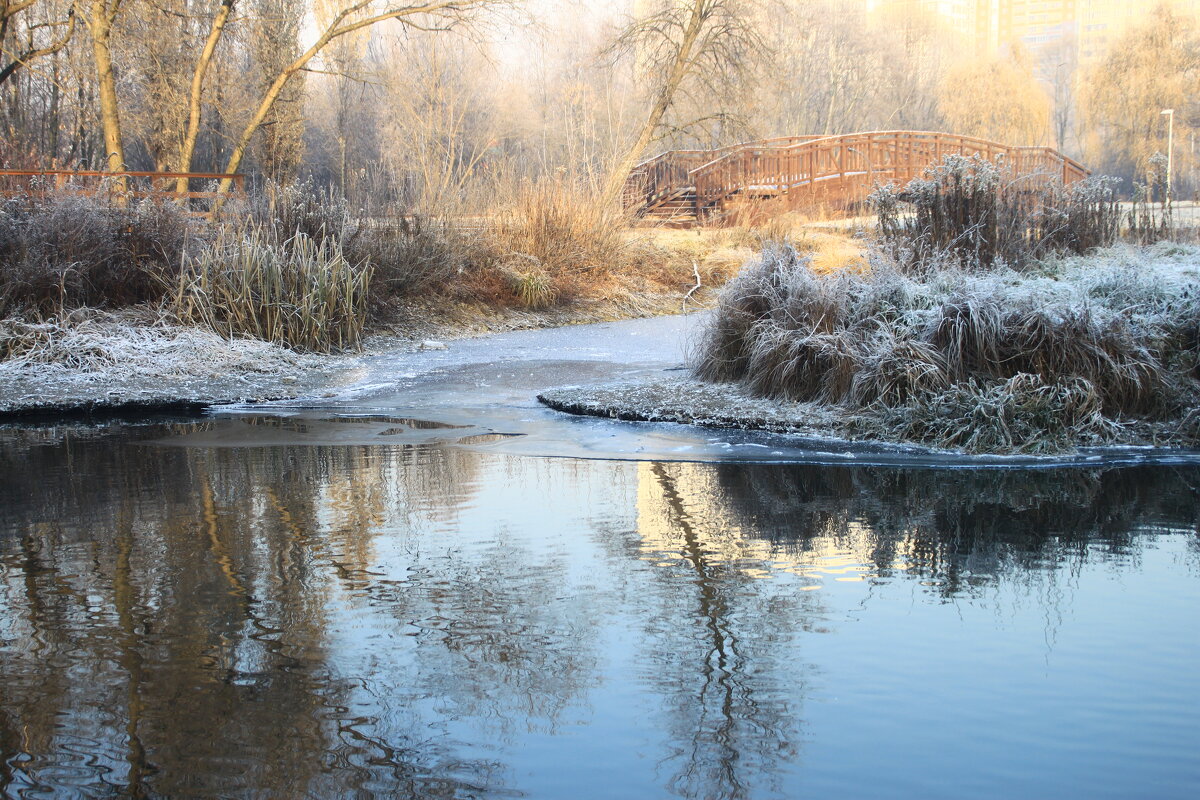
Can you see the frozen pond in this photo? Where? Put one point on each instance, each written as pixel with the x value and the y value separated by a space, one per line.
pixel 428 585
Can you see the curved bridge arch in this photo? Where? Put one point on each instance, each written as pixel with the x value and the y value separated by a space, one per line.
pixel 773 176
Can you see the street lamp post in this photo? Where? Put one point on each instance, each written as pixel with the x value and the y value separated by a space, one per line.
pixel 1169 113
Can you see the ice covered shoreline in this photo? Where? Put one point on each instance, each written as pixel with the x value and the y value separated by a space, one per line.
pixel 98 362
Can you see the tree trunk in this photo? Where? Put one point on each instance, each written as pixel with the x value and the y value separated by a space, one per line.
pixel 195 99
pixel 110 117
pixel 680 66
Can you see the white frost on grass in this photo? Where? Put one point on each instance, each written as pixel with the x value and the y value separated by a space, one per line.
pixel 1096 349
pixel 683 400
pixel 99 359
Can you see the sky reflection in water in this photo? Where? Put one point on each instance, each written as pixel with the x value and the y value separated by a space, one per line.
pixel 433 621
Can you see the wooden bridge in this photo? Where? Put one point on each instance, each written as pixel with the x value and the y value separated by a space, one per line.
pixel 773 176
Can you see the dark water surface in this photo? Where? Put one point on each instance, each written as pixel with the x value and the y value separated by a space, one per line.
pixel 186 613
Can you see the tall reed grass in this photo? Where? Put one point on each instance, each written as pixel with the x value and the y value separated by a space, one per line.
pixel 554 242
pixel 298 265
pixel 409 252
pixel 300 292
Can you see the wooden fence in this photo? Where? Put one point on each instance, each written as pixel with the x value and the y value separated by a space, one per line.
pixel 198 198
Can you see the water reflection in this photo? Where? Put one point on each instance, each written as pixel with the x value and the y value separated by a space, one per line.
pixel 169 619
pixel 415 619
pixel 730 711
pixel 953 530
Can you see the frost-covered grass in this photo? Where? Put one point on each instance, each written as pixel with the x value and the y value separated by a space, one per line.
pixel 1069 351
pixel 301 291
pixel 97 359
pixel 69 251
pixel 979 213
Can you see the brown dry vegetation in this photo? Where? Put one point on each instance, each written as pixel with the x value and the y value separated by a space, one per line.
pixel 298 267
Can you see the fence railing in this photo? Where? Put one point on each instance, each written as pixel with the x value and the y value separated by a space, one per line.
pixel 199 196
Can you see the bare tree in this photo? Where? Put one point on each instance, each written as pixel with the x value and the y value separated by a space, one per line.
pixel 100 18
pixel 43 37
pixel 187 147
pixel 434 15
pixel 1155 66
pixel 1063 74
pixel 999 100
pixel 684 47
pixel 441 118
pixel 274 43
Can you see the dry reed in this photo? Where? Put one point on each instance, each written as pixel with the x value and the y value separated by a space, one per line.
pixel 299 292
pixel 978 213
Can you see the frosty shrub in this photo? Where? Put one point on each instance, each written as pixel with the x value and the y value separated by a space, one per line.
pixel 408 252
pixel 980 359
pixel 1022 413
pixel 977 213
pixel 1151 221
pixel 69 251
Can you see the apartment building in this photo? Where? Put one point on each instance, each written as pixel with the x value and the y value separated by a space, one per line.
pixel 1088 27
pixel 1101 22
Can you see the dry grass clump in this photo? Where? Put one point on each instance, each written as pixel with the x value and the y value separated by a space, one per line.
pixel 408 252
pixel 68 251
pixel 1023 414
pixel 979 360
pixel 300 292
pixel 412 254
pixel 977 213
pixel 552 244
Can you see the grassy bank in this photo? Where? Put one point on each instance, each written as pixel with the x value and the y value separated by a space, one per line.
pixel 104 304
pixel 975 324
pixel 300 268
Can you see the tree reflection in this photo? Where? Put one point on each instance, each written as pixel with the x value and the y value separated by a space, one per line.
pixel 340 620
pixel 958 529
pixel 167 625
pixel 730 707
pixel 732 533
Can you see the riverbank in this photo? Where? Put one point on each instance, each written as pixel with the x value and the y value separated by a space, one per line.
pixel 94 361
pixel 107 307
pixel 1075 352
pixel 687 401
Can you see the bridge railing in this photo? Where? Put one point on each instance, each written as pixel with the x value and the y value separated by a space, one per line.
pixel 837 170
pixel 666 173
pixel 658 177
pixel 856 162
